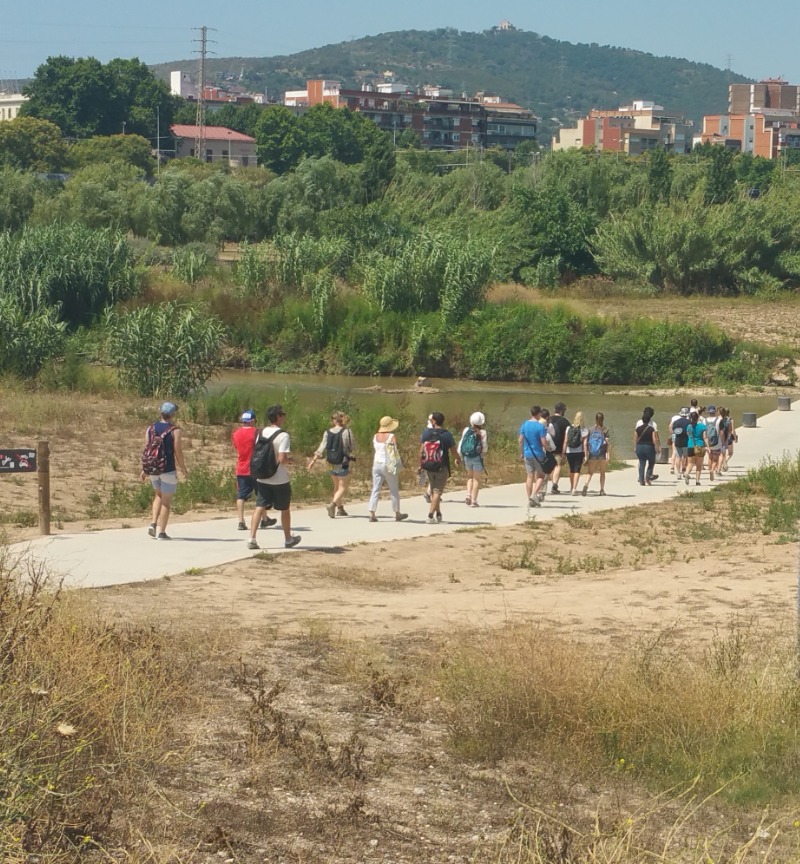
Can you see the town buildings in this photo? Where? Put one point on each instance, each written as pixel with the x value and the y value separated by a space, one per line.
pixel 440 119
pixel 763 119
pixel 631 129
pixel 222 145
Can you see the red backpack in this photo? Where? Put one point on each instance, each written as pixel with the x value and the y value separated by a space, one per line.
pixel 154 455
pixel 431 454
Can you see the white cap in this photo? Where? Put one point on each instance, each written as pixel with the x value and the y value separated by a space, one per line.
pixel 477 419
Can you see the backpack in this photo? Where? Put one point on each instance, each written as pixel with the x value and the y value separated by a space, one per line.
pixel 264 462
pixel 713 435
pixel 597 443
pixel 431 454
pixel 471 444
pixel 680 428
pixel 574 437
pixel 334 452
pixel 154 455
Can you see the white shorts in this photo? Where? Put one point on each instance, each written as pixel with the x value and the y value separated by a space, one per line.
pixel 166 484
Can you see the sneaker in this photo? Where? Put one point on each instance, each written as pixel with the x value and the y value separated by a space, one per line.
pixel 398 517
pixel 540 496
pixel 584 491
pixel 331 508
pixel 554 489
pixel 292 541
pixel 474 504
pixel 534 501
pixel 696 482
pixel 686 479
pixel 268 523
pixel 602 491
pixel 373 517
pixel 575 492
pixel 152 530
pixel 468 500
pixel 710 475
pixel 242 526
pixel 438 517
pixel 164 536
pixel 653 477
pixel 252 543
pixel 671 470
pixel 430 518
pixel 427 497
pixel 340 511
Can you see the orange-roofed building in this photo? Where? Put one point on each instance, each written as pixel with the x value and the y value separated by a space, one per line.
pixel 222 145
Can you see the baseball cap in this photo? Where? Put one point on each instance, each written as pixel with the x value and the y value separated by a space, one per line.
pixel 168 408
pixel 248 416
pixel 684 412
pixel 711 410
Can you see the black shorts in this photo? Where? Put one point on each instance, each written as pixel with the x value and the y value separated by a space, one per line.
pixel 575 462
pixel 274 497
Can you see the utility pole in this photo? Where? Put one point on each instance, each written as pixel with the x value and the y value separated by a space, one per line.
pixel 158 140
pixel 200 117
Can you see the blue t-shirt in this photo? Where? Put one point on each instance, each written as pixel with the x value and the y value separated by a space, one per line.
pixel 532 432
pixel 696 434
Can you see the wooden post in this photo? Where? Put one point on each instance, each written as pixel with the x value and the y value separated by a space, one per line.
pixel 43 476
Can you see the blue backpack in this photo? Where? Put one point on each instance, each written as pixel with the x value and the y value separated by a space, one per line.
pixel 596 443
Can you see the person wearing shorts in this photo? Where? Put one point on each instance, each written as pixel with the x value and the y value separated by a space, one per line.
pixel 532 448
pixel 437 480
pixel 473 464
pixel 576 455
pixel 340 471
pixel 697 446
pixel 275 492
pixel 243 440
pixel 165 484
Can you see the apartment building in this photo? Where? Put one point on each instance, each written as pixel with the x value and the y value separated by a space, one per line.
pixel 763 119
pixel 632 129
pixel 441 120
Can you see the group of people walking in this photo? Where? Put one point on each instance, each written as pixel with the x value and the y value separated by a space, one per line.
pixel 550 446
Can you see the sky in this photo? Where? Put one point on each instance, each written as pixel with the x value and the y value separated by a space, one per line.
pixel 720 33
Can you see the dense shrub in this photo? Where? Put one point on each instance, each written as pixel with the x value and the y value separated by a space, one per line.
pixel 28 340
pixel 164 350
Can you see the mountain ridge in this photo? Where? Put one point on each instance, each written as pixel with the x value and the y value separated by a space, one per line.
pixel 558 80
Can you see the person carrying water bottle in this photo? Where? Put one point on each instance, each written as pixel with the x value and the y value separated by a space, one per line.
pixel 473 447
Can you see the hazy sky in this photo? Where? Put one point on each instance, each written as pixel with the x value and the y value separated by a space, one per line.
pixel 757 44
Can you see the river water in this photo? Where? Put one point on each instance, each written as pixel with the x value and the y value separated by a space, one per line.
pixel 506 405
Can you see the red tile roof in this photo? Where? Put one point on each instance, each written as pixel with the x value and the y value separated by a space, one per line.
pixel 212 133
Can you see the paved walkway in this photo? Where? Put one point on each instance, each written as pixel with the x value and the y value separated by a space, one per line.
pixel 118 556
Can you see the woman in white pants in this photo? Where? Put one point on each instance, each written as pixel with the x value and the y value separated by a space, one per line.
pixel 386 467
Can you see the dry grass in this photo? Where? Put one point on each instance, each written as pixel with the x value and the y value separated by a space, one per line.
pixel 86 715
pixel 660 708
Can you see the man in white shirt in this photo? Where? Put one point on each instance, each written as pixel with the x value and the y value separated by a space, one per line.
pixel 276 491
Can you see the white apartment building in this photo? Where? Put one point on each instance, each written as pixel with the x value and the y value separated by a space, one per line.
pixel 10 103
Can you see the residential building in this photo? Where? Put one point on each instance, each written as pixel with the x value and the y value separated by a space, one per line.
pixel 214 97
pixel 222 145
pixel 763 119
pixel 440 120
pixel 633 129
pixel 10 103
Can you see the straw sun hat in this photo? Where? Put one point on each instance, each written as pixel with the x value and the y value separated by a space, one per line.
pixel 388 424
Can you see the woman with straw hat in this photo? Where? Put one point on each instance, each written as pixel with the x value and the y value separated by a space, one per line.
pixel 386 466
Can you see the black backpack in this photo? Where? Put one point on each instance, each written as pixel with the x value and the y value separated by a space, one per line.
pixel 335 449
pixel 264 462
pixel 574 437
pixel 680 429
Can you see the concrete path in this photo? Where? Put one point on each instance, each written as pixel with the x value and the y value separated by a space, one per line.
pixel 118 556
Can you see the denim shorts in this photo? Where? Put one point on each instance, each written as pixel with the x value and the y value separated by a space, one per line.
pixel 245 486
pixel 340 470
pixel 473 463
pixel 166 484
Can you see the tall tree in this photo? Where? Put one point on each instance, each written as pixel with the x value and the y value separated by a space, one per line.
pixel 83 97
pixel 659 176
pixel 30 144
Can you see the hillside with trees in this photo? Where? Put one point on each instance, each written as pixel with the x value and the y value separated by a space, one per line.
pixel 556 79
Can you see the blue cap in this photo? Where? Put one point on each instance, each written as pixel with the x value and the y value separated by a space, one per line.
pixel 168 408
pixel 711 410
pixel 248 416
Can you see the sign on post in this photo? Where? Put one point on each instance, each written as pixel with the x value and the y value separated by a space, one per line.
pixel 18 460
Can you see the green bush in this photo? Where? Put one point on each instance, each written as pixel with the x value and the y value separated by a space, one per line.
pixel 166 349
pixel 28 340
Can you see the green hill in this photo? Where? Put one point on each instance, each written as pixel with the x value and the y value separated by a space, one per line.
pixel 555 79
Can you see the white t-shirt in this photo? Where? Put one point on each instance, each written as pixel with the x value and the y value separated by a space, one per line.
pixel 483 436
pixel 281 445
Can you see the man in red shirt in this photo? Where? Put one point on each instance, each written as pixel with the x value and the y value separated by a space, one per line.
pixel 244 439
